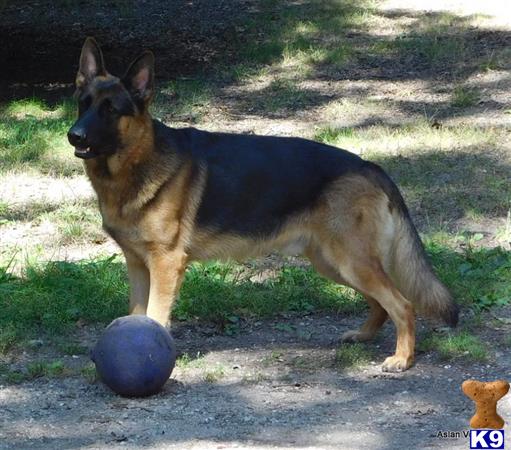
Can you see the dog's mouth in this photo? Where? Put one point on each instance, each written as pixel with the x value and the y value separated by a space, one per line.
pixel 84 152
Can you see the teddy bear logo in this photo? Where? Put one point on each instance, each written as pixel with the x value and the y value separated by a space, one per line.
pixel 485 396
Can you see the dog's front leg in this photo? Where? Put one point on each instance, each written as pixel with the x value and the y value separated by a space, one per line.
pixel 138 275
pixel 166 269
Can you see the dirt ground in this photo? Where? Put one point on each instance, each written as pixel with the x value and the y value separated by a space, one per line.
pixel 41 33
pixel 275 387
pixel 272 385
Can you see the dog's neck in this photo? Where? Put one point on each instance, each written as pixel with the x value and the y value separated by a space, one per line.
pixel 136 146
pixel 117 176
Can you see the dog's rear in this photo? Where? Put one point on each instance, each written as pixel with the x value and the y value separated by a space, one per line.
pixel 409 265
pixel 364 237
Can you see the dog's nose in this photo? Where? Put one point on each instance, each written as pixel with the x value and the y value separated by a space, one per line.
pixel 77 136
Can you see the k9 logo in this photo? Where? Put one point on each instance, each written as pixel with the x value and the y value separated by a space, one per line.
pixel 486 439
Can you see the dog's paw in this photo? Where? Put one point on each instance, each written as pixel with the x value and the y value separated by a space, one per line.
pixel 355 336
pixel 396 364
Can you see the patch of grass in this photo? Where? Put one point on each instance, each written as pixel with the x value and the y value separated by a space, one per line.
pixel 300 37
pixel 186 361
pixel 335 136
pixel 4 208
pixel 89 373
pixel 76 222
pixel 254 378
pixel 27 212
pixel 478 277
pixel 490 63
pixel 218 291
pixel 432 48
pixel 15 377
pixel 51 297
pixel 460 345
pixel 39 369
pixel 36 369
pixel 283 94
pixel 184 100
pixel 72 348
pixel 447 172
pixel 215 374
pixel 33 135
pixel 8 337
pixel 274 357
pixel 464 97
pixel 353 355
pixel 436 40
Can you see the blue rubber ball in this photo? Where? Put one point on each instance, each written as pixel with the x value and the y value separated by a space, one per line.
pixel 135 356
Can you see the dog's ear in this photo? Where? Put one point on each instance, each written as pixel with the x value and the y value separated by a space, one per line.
pixel 139 78
pixel 91 63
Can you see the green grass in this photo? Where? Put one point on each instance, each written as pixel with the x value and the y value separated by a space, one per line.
pixel 282 94
pixel 464 97
pixel 353 355
pixel 186 361
pixel 437 40
pixel 72 348
pixel 184 100
pixel 221 292
pixel 460 345
pixel 301 37
pixel 77 221
pixel 33 135
pixel 33 370
pixel 451 172
pixel 478 277
pixel 89 373
pixel 45 369
pixel 215 374
pixel 51 297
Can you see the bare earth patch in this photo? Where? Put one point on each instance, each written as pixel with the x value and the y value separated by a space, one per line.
pixel 276 384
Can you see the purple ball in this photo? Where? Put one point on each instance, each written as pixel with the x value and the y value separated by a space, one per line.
pixel 135 356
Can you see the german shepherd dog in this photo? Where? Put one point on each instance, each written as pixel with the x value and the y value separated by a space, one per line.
pixel 169 196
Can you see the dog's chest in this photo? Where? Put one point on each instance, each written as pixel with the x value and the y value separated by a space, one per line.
pixel 122 229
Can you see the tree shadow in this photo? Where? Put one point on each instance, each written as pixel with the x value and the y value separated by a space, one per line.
pixel 443 187
pixel 333 41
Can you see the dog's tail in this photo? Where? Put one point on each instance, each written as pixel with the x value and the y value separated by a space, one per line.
pixel 408 265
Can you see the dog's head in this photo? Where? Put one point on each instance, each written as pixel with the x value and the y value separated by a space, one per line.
pixel 108 104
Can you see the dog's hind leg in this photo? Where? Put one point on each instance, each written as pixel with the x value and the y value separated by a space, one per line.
pixel 360 269
pixel 377 317
pixel 377 314
pixel 368 277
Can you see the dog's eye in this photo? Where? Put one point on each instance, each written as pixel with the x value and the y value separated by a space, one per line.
pixel 109 107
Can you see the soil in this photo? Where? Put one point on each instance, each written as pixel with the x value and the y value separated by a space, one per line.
pixel 278 385
pixel 37 33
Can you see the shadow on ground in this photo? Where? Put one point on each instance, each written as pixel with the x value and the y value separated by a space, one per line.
pixel 335 41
